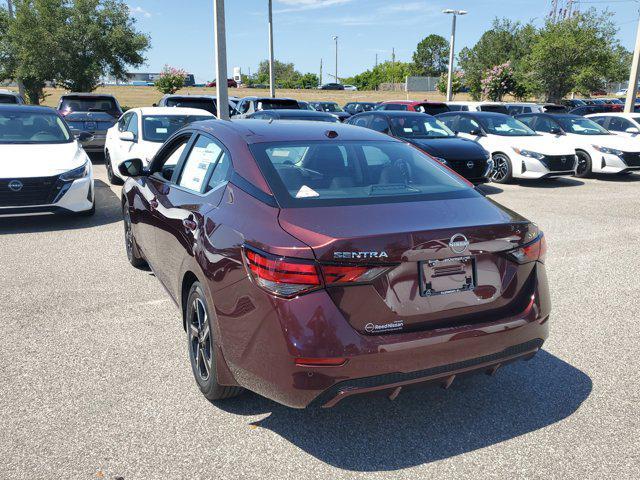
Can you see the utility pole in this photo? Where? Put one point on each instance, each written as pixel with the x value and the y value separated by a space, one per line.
pixel 18 81
pixel 632 89
pixel 272 73
pixel 336 40
pixel 376 60
pixel 393 68
pixel 221 59
pixel 452 48
pixel 320 73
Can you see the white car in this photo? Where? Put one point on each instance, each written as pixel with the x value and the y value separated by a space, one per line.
pixel 140 133
pixel 496 107
pixel 517 151
pixel 350 88
pixel 623 124
pixel 43 167
pixel 622 93
pixel 598 149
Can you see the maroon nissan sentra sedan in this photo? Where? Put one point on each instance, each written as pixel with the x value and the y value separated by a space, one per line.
pixel 314 262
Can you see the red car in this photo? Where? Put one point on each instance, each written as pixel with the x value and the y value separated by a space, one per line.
pixel 313 262
pixel 431 108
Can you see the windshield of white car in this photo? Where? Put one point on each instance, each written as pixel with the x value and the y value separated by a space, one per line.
pixel 505 126
pixel 419 127
pixel 580 125
pixel 32 128
pixel 157 128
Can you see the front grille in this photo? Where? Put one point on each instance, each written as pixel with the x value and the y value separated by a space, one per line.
pixel 461 167
pixel 559 163
pixel 631 159
pixel 34 191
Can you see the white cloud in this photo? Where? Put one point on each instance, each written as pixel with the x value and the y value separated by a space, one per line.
pixel 301 5
pixel 139 11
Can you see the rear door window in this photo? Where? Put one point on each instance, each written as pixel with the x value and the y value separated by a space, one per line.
pixel 617 124
pixel 379 124
pixel 11 99
pixel 362 121
pixel 200 164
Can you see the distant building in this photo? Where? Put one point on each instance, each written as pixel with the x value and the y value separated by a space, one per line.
pixel 140 78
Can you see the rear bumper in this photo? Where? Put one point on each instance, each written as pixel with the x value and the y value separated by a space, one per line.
pixel 97 144
pixel 263 358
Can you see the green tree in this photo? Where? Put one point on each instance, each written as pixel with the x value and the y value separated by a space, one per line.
pixel 71 42
pixel 506 41
pixel 171 80
pixel 309 80
pixel 431 57
pixel 386 72
pixel 457 83
pixel 573 55
pixel 99 38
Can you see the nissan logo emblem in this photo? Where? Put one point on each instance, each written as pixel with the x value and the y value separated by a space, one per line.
pixel 458 243
pixel 15 185
pixel 469 164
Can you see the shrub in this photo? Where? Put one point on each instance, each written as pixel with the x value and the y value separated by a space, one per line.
pixel 171 80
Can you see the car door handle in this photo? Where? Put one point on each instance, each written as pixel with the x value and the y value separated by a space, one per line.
pixel 153 203
pixel 190 224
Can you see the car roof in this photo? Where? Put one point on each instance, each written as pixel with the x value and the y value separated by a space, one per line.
pixel 171 111
pixel 188 95
pixel 26 108
pixel 88 94
pixel 396 113
pixel 269 98
pixel 475 114
pixel 474 103
pixel 614 114
pixel 251 131
pixel 298 113
pixel 4 91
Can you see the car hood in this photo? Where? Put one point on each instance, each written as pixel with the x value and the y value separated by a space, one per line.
pixel 47 160
pixel 452 148
pixel 609 141
pixel 539 143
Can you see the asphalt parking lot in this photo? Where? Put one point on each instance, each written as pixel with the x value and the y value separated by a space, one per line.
pixel 96 382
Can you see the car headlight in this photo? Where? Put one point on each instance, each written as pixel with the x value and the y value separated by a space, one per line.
pixel 528 153
pixel 76 173
pixel 609 151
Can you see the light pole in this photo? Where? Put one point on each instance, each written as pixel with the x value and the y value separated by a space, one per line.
pixel 272 73
pixel 335 38
pixel 452 47
pixel 632 89
pixel 221 60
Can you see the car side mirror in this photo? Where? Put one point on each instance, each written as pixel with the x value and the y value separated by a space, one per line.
pixel 84 136
pixel 555 131
pixel 476 132
pixel 131 168
pixel 127 137
pixel 632 130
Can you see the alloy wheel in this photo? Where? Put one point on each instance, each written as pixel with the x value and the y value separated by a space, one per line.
pixel 583 164
pixel 200 339
pixel 128 233
pixel 500 169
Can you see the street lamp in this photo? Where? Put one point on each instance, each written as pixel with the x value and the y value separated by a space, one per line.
pixel 272 74
pixel 335 38
pixel 452 46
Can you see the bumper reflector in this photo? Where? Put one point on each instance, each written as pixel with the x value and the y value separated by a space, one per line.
pixel 321 362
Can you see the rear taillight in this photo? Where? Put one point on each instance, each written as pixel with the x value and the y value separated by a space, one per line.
pixel 282 276
pixel 535 251
pixel 290 277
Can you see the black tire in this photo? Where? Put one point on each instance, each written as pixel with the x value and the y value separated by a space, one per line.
pixel 502 169
pixel 113 179
pixel 583 169
pixel 201 347
pixel 133 253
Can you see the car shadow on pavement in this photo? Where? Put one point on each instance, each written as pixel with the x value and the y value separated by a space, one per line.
pixel 108 210
pixel 628 178
pixel 428 424
pixel 489 189
pixel 553 182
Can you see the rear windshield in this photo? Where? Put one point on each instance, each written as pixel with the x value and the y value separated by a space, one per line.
pixel 329 107
pixel 432 108
pixel 207 104
pixel 157 128
pixel 32 128
pixel 8 99
pixel 277 105
pixel 308 174
pixel 88 104
pixel 494 108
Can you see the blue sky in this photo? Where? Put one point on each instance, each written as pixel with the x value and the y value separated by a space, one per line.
pixel 182 31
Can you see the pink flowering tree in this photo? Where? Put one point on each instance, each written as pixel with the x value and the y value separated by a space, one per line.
pixel 171 80
pixel 498 82
pixel 457 83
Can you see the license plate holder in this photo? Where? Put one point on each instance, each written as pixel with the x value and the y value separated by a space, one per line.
pixel 447 276
pixel 90 126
